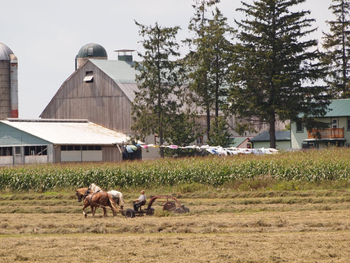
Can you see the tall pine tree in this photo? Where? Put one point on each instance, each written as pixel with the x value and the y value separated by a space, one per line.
pixel 209 59
pixel 277 68
pixel 337 49
pixel 159 82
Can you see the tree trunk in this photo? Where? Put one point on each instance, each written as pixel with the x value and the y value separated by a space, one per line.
pixel 272 131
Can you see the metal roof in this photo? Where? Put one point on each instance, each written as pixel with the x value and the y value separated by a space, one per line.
pixel 265 136
pixel 92 50
pixel 119 71
pixel 237 141
pixel 65 132
pixel 339 108
pixel 122 73
pixel 5 52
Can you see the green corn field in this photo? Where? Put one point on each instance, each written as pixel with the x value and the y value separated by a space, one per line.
pixel 310 166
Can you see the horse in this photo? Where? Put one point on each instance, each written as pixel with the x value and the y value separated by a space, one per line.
pixel 94 188
pixel 117 197
pixel 95 200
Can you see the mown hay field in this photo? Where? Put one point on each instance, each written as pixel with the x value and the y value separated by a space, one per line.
pixel 257 218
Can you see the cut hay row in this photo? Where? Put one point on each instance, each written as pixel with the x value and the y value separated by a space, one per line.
pixel 310 166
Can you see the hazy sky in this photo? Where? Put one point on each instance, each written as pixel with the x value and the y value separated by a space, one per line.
pixel 47 35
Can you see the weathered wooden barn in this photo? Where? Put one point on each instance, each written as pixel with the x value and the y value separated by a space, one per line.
pixel 55 141
pixel 99 90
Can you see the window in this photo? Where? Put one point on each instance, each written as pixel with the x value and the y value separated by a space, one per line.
pixel 18 150
pixel 200 140
pixel 334 123
pixel 300 126
pixel 155 139
pixel 81 148
pixel 89 77
pixel 348 124
pixel 5 151
pixel 35 150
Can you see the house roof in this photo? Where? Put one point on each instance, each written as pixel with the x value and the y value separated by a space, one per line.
pixel 237 141
pixel 338 108
pixel 65 132
pixel 265 136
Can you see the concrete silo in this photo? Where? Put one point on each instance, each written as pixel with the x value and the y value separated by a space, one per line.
pixel 8 83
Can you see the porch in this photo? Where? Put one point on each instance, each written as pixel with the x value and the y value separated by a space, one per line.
pixel 329 133
pixel 323 138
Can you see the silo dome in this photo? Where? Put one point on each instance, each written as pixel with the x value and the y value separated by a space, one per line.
pixel 91 50
pixel 5 52
pixel 8 83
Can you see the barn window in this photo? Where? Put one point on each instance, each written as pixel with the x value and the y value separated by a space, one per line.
pixel 17 150
pixel 5 151
pixel 35 150
pixel 89 77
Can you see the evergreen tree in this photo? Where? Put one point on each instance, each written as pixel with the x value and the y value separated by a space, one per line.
pixel 277 68
pixel 184 131
pixel 209 60
pixel 159 82
pixel 337 46
pixel 220 135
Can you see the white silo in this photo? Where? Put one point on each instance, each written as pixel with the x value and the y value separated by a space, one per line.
pixel 8 83
pixel 14 85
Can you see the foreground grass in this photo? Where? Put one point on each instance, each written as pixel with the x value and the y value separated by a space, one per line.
pixel 231 226
pixel 292 207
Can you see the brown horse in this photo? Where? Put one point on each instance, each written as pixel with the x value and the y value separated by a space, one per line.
pixel 95 200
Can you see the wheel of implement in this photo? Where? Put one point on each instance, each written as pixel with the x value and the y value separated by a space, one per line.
pixel 179 210
pixel 187 210
pixel 150 211
pixel 129 213
pixel 169 206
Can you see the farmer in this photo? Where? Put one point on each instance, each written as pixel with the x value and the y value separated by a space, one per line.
pixel 140 201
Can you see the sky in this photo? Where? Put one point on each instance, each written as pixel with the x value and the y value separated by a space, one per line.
pixel 47 35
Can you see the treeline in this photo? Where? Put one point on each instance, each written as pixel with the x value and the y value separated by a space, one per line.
pixel 266 68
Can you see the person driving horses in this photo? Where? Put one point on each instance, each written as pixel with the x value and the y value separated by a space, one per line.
pixel 140 201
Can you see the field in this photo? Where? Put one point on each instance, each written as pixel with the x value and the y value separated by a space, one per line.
pixel 294 207
pixel 305 226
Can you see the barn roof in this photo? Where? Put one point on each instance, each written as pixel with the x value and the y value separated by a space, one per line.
pixel 119 71
pixel 122 73
pixel 68 132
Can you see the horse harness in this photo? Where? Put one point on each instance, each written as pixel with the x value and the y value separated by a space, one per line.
pixel 88 192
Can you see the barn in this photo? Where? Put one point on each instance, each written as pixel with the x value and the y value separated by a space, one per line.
pixel 55 141
pixel 99 90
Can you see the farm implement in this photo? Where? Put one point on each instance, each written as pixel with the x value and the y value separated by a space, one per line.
pixel 169 203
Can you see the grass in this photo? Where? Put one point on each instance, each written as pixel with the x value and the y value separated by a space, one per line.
pixel 261 215
pixel 235 226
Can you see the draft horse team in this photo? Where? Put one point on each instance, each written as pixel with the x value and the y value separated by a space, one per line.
pixel 95 197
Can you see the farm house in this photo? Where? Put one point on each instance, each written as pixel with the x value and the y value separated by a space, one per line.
pixel 55 141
